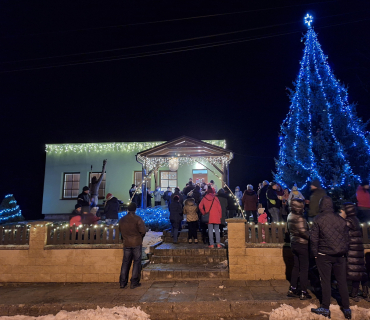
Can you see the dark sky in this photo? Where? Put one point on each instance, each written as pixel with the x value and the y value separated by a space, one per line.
pixel 235 92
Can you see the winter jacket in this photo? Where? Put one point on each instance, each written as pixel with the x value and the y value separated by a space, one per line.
pixel 149 198
pixel 295 194
pixel 167 196
pixel 197 196
pixel 356 256
pixel 262 218
pixel 272 198
pixel 297 224
pixel 111 208
pixel 249 200
pixel 215 212
pixel 223 203
pixel 363 197
pixel 176 214
pixel 84 199
pixel 176 193
pixel 187 189
pixel 329 234
pixel 262 196
pixel 191 210
pixel 157 195
pixel 132 229
pixel 315 198
pixel 89 218
pixel 239 195
pixel 94 187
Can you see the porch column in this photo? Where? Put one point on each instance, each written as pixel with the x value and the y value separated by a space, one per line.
pixel 143 188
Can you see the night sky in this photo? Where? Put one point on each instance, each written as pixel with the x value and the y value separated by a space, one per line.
pixel 235 91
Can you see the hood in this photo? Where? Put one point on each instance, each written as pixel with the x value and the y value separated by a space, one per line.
pixel 350 209
pixel 326 204
pixel 209 196
pixel 297 206
pixel 190 202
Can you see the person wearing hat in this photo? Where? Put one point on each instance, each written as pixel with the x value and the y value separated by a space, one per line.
pixel 84 199
pixel 273 202
pixel 363 201
pixel 77 210
pixel 295 194
pixel 317 194
pixel 133 230
pixel 111 209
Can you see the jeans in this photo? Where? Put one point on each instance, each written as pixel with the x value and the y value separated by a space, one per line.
pixel 275 214
pixel 212 226
pixel 109 222
pixel 130 254
pixel 176 225
pixel 300 268
pixel 193 228
pixel 250 214
pixel 325 264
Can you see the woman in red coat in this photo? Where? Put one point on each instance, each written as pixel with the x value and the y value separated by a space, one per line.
pixel 211 204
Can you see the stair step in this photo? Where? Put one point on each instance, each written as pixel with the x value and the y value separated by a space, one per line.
pixel 187 259
pixel 170 249
pixel 183 271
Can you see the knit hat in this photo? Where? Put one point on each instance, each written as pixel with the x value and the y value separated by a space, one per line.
pixel 78 206
pixel 249 187
pixel 294 188
pixel 365 182
pixel 316 183
pixel 109 196
pixel 133 185
pixel 132 207
pixel 85 188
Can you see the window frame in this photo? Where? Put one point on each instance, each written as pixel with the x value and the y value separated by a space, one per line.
pixel 64 181
pixel 104 179
pixel 169 171
pixel 148 181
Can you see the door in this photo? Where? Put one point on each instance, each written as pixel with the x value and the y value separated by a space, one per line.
pixel 200 176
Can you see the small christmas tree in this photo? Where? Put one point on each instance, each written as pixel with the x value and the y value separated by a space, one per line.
pixel 9 210
pixel 322 137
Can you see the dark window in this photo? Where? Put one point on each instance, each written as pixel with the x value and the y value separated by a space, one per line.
pixel 71 185
pixel 102 184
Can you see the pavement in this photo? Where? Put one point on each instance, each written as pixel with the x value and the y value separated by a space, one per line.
pixel 193 299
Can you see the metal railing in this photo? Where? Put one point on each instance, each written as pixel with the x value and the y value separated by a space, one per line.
pixel 83 234
pixel 14 235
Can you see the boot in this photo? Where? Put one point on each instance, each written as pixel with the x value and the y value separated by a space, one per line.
pixel 304 295
pixel 354 295
pixel 292 293
pixel 347 313
pixel 321 311
pixel 365 293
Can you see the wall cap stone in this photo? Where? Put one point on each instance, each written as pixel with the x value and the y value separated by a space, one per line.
pixel 267 245
pixel 236 220
pixel 14 247
pixel 83 246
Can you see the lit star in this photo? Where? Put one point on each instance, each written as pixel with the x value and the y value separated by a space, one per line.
pixel 308 20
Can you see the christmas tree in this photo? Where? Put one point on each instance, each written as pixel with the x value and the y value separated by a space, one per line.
pixel 9 210
pixel 322 137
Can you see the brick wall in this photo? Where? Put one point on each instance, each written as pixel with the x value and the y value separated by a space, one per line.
pixel 37 262
pixel 255 261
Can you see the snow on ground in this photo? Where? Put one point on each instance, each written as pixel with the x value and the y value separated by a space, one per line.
pixel 116 313
pixel 287 312
pixel 151 238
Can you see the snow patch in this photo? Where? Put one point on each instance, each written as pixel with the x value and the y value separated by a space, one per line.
pixel 287 312
pixel 151 238
pixel 116 313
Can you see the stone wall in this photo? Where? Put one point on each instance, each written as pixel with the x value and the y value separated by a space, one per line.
pixel 37 262
pixel 256 261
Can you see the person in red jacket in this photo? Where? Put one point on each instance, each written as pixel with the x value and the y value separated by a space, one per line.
pixel 210 204
pixel 249 201
pixel 363 201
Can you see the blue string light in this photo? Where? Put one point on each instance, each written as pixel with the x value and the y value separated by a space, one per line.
pixel 10 210
pixel 156 217
pixel 320 103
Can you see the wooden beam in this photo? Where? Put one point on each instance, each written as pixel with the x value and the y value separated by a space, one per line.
pixel 218 169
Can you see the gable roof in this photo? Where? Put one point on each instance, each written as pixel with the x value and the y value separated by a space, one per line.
pixel 185 147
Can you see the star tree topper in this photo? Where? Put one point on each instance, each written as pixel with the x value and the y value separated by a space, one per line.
pixel 308 20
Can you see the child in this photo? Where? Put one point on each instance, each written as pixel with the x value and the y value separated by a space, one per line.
pixel 190 210
pixel 262 219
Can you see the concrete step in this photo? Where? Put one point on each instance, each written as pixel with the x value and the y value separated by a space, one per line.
pixel 170 249
pixel 159 271
pixel 200 259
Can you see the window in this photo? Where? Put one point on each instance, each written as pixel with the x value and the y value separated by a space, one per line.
pixel 138 179
pixel 168 179
pixel 71 185
pixel 102 184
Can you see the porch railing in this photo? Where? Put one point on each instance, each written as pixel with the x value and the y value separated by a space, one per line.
pixel 83 234
pixel 14 235
pixel 278 233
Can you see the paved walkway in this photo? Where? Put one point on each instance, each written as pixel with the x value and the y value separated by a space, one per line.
pixel 194 299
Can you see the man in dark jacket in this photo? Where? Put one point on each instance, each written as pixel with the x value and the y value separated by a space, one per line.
pixel 84 199
pixel 188 189
pixel 167 196
pixel 133 230
pixel 77 210
pixel 329 245
pixel 273 202
pixel 317 194
pixel 176 216
pixel 299 235
pixel 177 193
pixel 111 209
pixel 262 194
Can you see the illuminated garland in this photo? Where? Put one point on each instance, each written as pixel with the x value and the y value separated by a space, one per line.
pixel 10 210
pixel 319 93
pixel 114 146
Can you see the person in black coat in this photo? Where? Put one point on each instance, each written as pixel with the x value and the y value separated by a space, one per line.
pixel 262 194
pixel 177 193
pixel 111 209
pixel 356 269
pixel 329 245
pixel 176 216
pixel 223 203
pixel 299 236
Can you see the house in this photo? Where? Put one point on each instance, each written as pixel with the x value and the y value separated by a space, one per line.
pixel 70 167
